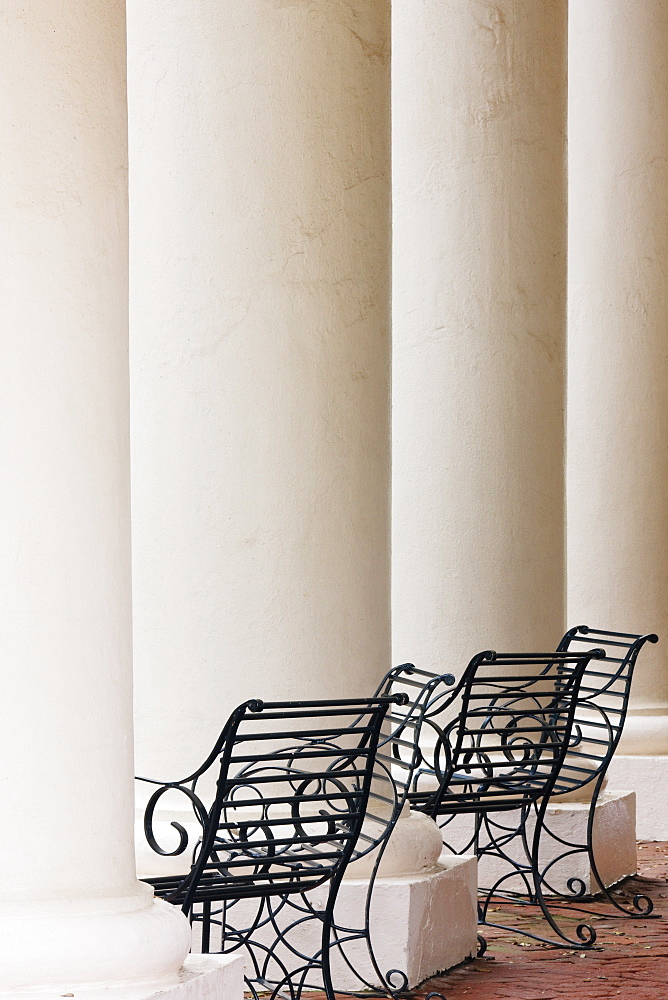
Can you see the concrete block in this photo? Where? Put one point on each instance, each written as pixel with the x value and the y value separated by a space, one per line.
pixel 421 924
pixel 648 777
pixel 614 843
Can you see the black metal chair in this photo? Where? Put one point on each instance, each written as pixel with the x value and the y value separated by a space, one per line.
pixel 599 719
pixel 417 697
pixel 500 756
pixel 292 791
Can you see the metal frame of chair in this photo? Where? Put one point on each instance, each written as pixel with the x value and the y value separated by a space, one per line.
pixel 417 697
pixel 499 759
pixel 293 786
pixel 550 739
pixel 599 719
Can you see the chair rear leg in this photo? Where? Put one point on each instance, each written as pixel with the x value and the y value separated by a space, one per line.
pixel 586 935
pixel 642 905
pixel 206 927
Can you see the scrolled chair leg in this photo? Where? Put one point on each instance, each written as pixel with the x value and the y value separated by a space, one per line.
pixel 577 889
pixel 641 906
pixel 532 895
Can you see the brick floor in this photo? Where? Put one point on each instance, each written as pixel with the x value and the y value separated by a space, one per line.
pixel 630 960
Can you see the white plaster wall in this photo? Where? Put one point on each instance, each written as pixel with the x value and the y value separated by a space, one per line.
pixel 618 351
pixel 479 327
pixel 259 138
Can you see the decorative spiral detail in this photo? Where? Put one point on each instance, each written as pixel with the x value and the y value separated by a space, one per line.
pixel 482 946
pixel 643 904
pixel 396 980
pixel 198 809
pixel 578 888
pixel 586 934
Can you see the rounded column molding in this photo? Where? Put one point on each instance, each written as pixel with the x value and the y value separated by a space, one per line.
pixel 128 941
pixel 413 848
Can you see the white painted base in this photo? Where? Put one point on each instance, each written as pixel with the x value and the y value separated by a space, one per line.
pixel 421 924
pixel 202 977
pixel 614 840
pixel 648 777
pixel 614 843
pixel 69 945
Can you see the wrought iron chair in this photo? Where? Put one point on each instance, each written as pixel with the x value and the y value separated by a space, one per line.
pixel 500 757
pixel 416 696
pixel 292 790
pixel 599 719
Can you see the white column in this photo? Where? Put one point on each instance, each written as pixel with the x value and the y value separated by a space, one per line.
pixel 71 909
pixel 259 190
pixel 618 360
pixel 479 327
pixel 260 249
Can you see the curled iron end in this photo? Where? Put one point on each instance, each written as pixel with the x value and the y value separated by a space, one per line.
pixel 586 934
pixel 643 905
pixel 577 888
pixel 397 980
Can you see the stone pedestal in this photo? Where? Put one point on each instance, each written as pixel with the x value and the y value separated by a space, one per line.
pixel 614 844
pixel 423 910
pixel 614 840
pixel 420 924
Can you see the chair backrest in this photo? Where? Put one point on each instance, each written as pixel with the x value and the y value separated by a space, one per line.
pixel 602 703
pixel 505 747
pixel 416 696
pixel 292 790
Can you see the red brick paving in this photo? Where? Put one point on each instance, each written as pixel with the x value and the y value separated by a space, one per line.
pixel 630 960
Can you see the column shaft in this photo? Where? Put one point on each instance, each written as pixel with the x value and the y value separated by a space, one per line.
pixel 71 908
pixel 618 354
pixel 479 328
pixel 260 359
